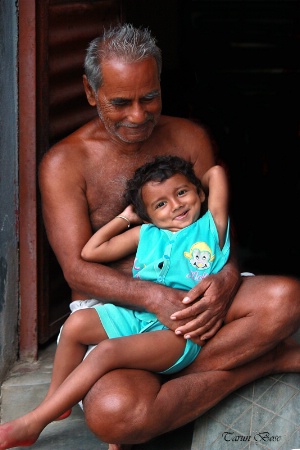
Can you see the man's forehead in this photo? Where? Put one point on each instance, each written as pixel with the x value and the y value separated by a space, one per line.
pixel 123 70
pixel 126 81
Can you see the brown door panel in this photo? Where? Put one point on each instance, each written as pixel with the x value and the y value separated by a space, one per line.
pixel 64 29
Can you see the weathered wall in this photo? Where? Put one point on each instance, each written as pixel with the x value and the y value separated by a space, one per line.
pixel 9 232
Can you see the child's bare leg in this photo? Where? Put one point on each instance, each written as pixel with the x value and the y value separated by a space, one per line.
pixel 81 329
pixel 154 351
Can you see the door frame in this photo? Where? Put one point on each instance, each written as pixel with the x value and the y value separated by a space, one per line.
pixel 27 180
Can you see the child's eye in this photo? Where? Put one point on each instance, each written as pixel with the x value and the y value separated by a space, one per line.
pixel 181 192
pixel 160 205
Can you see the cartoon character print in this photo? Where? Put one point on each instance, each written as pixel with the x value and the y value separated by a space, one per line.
pixel 200 255
pixel 138 268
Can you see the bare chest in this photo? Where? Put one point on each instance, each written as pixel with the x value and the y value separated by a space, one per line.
pixel 105 186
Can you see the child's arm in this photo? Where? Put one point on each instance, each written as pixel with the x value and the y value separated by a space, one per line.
pixel 215 182
pixel 115 240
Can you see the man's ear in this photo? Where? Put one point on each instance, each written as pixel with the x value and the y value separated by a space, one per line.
pixel 90 94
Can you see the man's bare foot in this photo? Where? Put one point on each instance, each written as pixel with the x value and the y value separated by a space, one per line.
pixel 17 433
pixel 119 447
pixel 287 357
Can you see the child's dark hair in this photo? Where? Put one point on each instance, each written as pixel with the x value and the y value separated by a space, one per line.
pixel 160 169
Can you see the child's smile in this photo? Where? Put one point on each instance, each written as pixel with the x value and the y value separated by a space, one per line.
pixel 172 204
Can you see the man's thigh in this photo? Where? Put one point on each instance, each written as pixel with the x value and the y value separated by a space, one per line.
pixel 255 293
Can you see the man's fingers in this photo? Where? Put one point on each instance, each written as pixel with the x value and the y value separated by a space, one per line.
pixel 190 311
pixel 203 325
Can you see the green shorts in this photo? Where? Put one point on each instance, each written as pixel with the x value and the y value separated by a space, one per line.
pixel 118 321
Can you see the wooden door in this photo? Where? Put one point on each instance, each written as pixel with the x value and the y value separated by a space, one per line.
pixel 64 29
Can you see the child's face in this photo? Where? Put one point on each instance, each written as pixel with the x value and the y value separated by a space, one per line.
pixel 172 204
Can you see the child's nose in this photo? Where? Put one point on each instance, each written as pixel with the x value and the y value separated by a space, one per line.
pixel 176 204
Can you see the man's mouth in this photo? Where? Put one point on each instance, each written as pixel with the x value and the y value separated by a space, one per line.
pixel 139 126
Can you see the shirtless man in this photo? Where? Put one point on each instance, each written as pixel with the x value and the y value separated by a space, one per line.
pixel 244 322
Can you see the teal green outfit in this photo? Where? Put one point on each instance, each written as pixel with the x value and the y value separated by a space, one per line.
pixel 178 260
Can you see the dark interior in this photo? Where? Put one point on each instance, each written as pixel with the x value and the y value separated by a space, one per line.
pixel 234 66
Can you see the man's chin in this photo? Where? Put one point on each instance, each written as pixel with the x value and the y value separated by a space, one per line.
pixel 135 139
pixel 135 135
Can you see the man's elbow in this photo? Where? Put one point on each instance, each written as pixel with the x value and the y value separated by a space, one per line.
pixel 72 274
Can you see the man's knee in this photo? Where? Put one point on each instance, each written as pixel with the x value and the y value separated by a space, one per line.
pixel 269 305
pixel 286 301
pixel 115 411
pixel 279 307
pixel 265 293
pixel 107 415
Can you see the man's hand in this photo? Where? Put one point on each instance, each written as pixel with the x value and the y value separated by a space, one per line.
pixel 208 303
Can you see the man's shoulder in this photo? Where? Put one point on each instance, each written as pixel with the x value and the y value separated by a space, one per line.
pixel 181 125
pixel 78 138
pixel 185 133
pixel 175 120
pixel 75 143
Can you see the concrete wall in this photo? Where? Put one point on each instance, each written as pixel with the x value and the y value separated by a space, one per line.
pixel 9 231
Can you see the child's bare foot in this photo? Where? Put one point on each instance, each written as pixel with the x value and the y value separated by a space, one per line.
pixel 64 415
pixel 119 447
pixel 17 433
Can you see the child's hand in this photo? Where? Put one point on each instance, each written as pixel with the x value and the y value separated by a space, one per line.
pixel 131 215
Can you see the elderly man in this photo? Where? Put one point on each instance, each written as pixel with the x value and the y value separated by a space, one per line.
pixel 244 322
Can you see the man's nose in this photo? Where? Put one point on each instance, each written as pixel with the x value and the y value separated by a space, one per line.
pixel 137 113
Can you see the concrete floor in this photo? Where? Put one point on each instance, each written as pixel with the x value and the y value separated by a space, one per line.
pixel 27 386
pixel 262 415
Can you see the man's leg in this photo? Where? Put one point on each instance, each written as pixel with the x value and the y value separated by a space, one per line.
pixel 132 406
pixel 265 311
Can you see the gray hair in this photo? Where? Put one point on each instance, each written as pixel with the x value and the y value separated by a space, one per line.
pixel 125 42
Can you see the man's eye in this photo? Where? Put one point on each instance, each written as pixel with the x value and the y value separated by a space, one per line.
pixel 151 96
pixel 148 99
pixel 119 103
